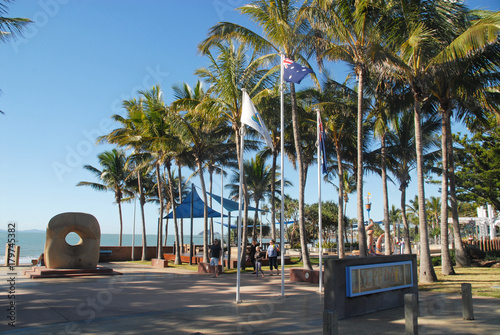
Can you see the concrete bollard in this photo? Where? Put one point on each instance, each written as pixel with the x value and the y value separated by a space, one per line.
pixel 467 310
pixel 411 314
pixel 330 322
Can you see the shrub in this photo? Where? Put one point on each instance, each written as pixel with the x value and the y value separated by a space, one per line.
pixel 473 252
pixel 492 255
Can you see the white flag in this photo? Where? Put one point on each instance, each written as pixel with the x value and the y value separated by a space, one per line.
pixel 251 118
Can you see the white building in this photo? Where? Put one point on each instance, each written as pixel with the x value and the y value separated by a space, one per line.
pixel 484 225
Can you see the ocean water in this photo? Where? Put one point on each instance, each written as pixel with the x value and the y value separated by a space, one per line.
pixel 33 243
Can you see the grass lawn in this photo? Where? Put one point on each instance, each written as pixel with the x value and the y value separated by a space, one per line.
pixel 481 279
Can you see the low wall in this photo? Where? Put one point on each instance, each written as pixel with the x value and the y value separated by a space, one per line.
pixel 336 285
pixel 485 244
pixel 307 276
pixel 120 254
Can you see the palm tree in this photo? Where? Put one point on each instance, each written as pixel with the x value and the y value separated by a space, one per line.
pixel 203 134
pixel 401 149
pixel 10 28
pixel 463 83
pixel 186 99
pixel 129 136
pixel 349 30
pixel 160 140
pixel 229 72
pixel 424 36
pixel 258 177
pixel 338 104
pixel 395 217
pixel 433 205
pixel 386 106
pixel 285 29
pixel 113 176
pixel 269 108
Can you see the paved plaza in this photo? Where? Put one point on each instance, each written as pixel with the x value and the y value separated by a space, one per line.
pixel 146 300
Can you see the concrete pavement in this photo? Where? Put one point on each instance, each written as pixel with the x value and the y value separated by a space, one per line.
pixel 146 300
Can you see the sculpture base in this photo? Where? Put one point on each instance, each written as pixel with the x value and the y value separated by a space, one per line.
pixel 42 272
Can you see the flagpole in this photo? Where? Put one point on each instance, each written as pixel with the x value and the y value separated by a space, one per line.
pixel 191 251
pixel 222 217
pixel 240 197
pixel 282 139
pixel 320 233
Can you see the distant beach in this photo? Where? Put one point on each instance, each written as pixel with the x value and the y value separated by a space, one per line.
pixel 32 243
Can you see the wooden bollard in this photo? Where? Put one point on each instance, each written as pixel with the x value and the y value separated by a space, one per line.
pixel 411 314
pixel 467 310
pixel 330 322
pixel 18 251
pixel 7 249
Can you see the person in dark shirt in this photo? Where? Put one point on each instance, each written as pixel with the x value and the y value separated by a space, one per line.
pixel 252 254
pixel 215 251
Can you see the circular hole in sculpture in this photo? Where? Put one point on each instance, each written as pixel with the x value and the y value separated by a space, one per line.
pixel 73 239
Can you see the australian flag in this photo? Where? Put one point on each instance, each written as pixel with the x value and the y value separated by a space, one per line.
pixel 294 72
pixel 322 148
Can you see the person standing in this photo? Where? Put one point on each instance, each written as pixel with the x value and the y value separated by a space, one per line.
pixel 272 255
pixel 215 251
pixel 252 254
pixel 258 262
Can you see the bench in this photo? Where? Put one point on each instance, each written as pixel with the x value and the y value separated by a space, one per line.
pixel 105 252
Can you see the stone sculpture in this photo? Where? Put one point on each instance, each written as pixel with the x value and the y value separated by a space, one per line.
pixel 83 255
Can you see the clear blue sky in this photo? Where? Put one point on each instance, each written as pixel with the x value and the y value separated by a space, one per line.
pixel 62 82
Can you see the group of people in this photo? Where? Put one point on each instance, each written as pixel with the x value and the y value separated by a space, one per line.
pixel 256 257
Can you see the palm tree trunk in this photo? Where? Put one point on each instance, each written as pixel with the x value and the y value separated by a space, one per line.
pixel 205 212
pixel 255 219
pixel 159 245
pixel 387 227
pixel 174 214
pixel 210 183
pixel 142 201
pixel 302 183
pixel 460 255
pixel 446 266
pixel 273 195
pixel 121 222
pixel 244 237
pixel 340 244
pixel 406 235
pixel 254 227
pixel 180 201
pixel 427 273
pixel 363 250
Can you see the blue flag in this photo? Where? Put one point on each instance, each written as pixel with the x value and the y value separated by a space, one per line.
pixel 294 72
pixel 322 148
